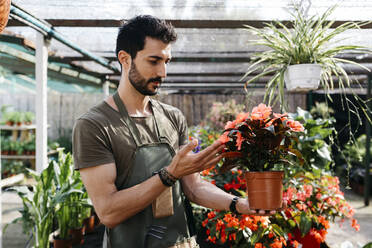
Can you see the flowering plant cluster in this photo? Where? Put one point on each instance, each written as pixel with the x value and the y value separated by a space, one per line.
pixel 312 203
pixel 260 140
pixel 223 227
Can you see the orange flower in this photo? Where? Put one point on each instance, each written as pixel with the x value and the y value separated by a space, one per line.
pixel 204 223
pixel 258 245
pixel 230 124
pixel 276 244
pixel 224 138
pixel 295 126
pixel 295 244
pixel 261 112
pixel 283 117
pixel 355 224
pixel 240 118
pixel 239 141
pixel 211 215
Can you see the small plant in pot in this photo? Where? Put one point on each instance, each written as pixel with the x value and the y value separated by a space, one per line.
pixel 261 143
pixel 311 42
pixel 28 118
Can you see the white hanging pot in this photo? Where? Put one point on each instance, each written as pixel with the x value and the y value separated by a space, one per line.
pixel 302 77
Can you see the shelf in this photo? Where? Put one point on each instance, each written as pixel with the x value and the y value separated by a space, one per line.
pixel 25 157
pixel 9 181
pixel 22 127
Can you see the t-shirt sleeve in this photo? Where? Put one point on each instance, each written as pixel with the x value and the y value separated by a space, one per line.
pixel 90 145
pixel 183 130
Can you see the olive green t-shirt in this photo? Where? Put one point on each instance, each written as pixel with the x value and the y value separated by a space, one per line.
pixel 100 136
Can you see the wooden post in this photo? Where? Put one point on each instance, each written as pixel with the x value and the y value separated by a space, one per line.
pixel 41 67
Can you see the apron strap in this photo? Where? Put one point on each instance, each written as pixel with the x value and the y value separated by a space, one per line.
pixel 126 118
pixel 158 111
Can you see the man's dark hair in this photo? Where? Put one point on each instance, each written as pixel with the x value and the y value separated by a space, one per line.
pixel 132 34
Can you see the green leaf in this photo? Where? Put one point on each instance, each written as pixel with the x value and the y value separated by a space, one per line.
pixel 278 230
pixel 369 245
pixel 305 224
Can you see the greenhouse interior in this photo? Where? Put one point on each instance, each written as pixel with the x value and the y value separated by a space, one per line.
pixel 168 123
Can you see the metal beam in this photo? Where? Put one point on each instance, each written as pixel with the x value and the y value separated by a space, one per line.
pixel 214 58
pixel 41 26
pixel 228 24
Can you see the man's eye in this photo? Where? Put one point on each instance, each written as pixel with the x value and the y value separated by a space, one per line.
pixel 153 62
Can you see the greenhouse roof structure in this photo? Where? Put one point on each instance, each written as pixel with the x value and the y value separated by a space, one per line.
pixel 17 58
pixel 212 51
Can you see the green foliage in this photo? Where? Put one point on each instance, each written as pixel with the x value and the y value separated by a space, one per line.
pixel 311 40
pixel 369 245
pixel 356 151
pixel 11 167
pixel 29 117
pixel 315 142
pixel 70 194
pixel 58 194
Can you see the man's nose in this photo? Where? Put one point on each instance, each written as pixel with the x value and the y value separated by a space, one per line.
pixel 162 70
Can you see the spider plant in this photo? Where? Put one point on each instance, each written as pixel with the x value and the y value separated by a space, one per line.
pixel 310 40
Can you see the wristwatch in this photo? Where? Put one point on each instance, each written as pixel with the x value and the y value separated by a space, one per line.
pixel 233 205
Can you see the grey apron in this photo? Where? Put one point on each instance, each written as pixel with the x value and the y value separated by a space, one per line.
pixel 142 230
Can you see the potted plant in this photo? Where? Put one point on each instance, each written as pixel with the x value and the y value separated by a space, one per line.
pixel 68 210
pixel 5 146
pixel 28 118
pixel 38 202
pixel 260 143
pixel 309 41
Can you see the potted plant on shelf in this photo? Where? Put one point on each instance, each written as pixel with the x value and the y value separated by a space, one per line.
pixel 28 118
pixel 260 143
pixel 309 44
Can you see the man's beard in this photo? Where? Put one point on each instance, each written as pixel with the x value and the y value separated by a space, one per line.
pixel 140 83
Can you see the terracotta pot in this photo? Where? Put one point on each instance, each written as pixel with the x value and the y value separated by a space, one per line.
pixel 9 123
pixel 307 241
pixel 4 13
pixel 62 243
pixel 264 189
pixel 76 236
pixel 89 224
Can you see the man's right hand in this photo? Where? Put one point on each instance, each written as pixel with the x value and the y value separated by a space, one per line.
pixel 185 162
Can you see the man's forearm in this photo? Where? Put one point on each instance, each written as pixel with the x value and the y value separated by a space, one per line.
pixel 206 194
pixel 123 204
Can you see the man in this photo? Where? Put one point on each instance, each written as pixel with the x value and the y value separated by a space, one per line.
pixel 133 155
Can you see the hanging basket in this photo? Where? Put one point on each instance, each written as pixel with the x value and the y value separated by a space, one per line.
pixel 302 77
pixel 4 13
pixel 265 189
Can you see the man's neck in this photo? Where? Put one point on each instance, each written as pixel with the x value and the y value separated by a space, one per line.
pixel 136 104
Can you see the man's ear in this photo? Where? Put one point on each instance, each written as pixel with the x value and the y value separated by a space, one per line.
pixel 125 59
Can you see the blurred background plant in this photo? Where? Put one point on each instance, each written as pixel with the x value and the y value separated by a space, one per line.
pixel 221 113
